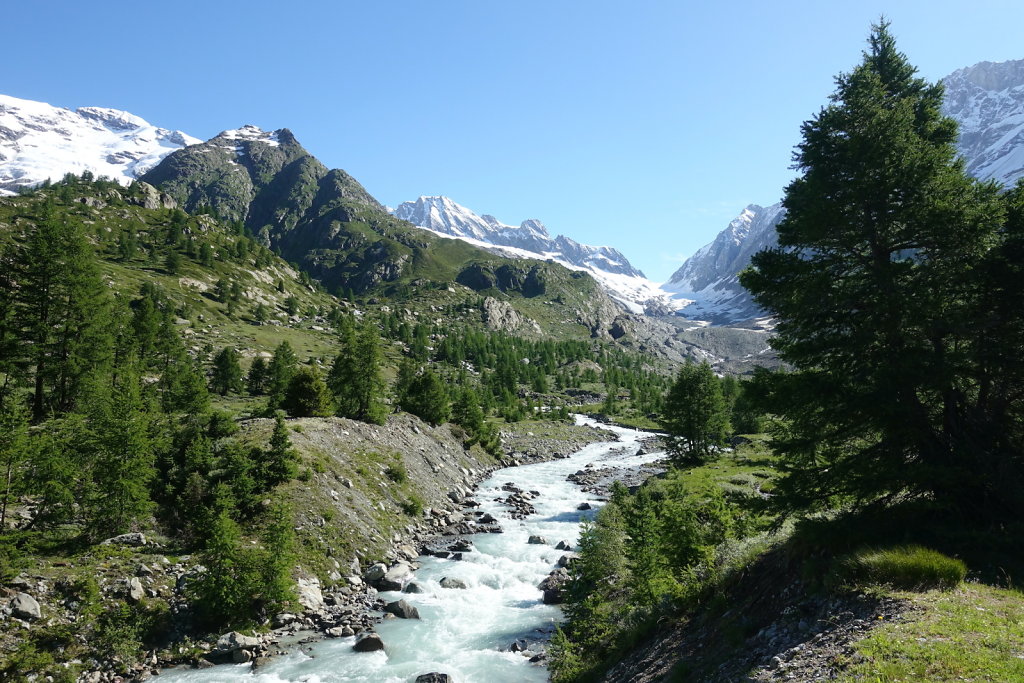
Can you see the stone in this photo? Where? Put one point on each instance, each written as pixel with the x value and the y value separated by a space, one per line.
pixel 563 545
pixel 375 573
pixel 241 656
pixel 412 587
pixel 453 583
pixel 584 506
pixel 336 632
pixel 369 642
pixel 434 677
pixel 283 619
pixel 537 540
pixel 24 606
pixel 396 577
pixel 309 594
pixel 402 610
pixel 135 539
pixel 233 640
pixel 135 590
pixel 567 559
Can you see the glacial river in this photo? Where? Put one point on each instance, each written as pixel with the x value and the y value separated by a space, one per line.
pixel 464 632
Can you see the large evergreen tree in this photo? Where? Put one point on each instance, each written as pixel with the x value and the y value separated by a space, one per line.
pixel 875 292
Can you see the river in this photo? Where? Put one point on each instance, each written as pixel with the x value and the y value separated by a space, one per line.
pixel 464 632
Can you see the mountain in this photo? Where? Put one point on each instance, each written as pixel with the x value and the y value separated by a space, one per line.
pixel 40 142
pixel 709 279
pixel 531 239
pixel 986 99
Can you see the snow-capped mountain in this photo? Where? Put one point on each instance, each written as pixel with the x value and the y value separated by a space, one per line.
pixel 39 142
pixel 987 99
pixel 709 279
pixel 531 240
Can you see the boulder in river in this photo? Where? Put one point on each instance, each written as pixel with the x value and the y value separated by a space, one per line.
pixel 402 610
pixel 395 578
pixel 229 642
pixel 368 642
pixel 412 587
pixel 537 540
pixel 434 677
pixel 451 582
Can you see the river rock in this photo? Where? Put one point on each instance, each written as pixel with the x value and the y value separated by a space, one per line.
pixel 412 587
pixel 395 578
pixel 434 677
pixel 241 656
pixel 584 506
pixel 309 594
pixel 563 545
pixel 233 640
pixel 375 573
pixel 450 582
pixel 567 559
pixel 368 642
pixel 402 610
pixel 537 540
pixel 24 606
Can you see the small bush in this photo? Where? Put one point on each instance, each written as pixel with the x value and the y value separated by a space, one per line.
pixel 909 567
pixel 413 507
pixel 396 473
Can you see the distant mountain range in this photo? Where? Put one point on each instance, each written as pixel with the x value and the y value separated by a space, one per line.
pixel 530 239
pixel 987 100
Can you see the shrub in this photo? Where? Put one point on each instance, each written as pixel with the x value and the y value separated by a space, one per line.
pixel 910 567
pixel 413 507
pixel 396 473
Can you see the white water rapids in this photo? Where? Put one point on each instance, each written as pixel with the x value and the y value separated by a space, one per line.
pixel 465 633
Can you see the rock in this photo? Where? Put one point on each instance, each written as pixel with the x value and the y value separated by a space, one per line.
pixel 24 606
pixel 336 632
pixel 283 619
pixel 402 610
pixel 135 590
pixel 369 642
pixel 134 539
pixel 567 559
pixel 229 642
pixel 143 570
pixel 584 506
pixel 154 199
pixel 412 587
pixel 309 594
pixel 375 573
pixel 453 583
pixel 241 656
pixel 563 545
pixel 537 540
pixel 396 578
pixel 434 677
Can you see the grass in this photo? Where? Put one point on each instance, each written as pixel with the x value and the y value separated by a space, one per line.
pixel 973 633
pixel 910 567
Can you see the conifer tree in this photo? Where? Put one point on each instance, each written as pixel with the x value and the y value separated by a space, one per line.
pixel 256 379
pixel 227 372
pixel 279 373
pixel 695 414
pixel 874 288
pixel 307 395
pixel 279 459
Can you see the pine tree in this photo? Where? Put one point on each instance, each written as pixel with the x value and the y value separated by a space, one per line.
pixel 695 415
pixel 256 380
pixel 427 398
pixel 874 287
pixel 280 458
pixel 279 373
pixel 227 372
pixel 15 456
pixel 307 395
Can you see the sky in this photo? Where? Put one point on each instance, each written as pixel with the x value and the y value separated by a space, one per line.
pixel 645 125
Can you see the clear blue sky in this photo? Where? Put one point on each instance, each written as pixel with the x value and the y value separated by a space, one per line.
pixel 644 125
